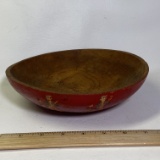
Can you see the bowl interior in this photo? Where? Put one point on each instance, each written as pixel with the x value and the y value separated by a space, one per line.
pixel 88 71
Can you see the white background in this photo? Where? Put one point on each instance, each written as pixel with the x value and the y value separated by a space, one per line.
pixel 31 27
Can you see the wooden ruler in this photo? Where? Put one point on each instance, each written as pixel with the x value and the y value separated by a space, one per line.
pixel 80 139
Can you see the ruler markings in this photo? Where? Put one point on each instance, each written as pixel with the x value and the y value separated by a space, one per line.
pixel 80 139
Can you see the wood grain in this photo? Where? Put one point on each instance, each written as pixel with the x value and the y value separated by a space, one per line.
pixel 87 71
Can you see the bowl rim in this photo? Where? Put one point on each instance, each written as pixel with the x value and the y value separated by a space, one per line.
pixel 10 75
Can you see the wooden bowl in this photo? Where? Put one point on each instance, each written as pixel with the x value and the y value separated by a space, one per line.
pixel 83 80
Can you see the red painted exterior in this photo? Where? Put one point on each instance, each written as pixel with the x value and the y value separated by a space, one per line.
pixel 75 103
